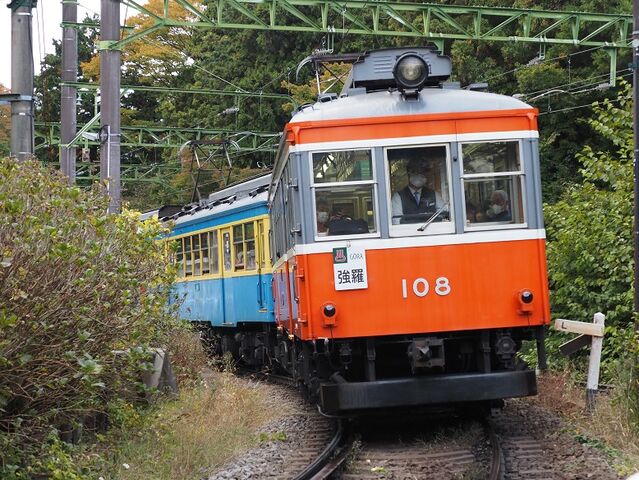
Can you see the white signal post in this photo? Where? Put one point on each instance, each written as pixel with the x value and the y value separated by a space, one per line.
pixel 594 330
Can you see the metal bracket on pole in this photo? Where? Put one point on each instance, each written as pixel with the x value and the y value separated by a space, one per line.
pixel 109 45
pixel 612 52
pixel 15 4
pixel 7 98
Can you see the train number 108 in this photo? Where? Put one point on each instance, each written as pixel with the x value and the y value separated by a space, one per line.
pixel 421 287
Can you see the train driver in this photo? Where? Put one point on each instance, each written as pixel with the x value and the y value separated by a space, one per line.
pixel 415 202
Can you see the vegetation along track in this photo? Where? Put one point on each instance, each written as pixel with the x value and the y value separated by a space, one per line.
pixel 302 444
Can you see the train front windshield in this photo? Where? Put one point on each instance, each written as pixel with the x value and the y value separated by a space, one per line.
pixel 419 185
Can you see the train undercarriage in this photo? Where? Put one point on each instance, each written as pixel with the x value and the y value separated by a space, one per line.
pixel 392 371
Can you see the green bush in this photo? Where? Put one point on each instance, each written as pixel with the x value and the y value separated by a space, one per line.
pixel 83 295
pixel 590 243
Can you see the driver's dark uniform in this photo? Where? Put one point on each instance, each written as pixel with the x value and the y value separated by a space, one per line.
pixel 413 212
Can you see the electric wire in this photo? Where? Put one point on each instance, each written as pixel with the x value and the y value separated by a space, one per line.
pixel 595 104
pixel 596 86
pixel 80 4
pixel 578 82
pixel 543 60
pixel 174 50
pixel 40 32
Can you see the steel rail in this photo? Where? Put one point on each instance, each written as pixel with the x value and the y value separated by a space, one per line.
pixel 497 470
pixel 326 462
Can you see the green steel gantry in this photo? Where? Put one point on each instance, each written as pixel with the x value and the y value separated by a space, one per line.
pixel 48 134
pixel 430 22
pixel 140 136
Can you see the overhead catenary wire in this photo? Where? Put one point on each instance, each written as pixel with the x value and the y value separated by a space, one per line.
pixel 591 105
pixel 544 60
pixel 577 91
pixel 165 46
pixel 576 82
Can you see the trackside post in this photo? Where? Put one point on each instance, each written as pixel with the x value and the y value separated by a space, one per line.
pixel 589 331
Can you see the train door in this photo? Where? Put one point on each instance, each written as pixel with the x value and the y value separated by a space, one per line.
pixel 261 264
pixel 295 229
pixel 227 270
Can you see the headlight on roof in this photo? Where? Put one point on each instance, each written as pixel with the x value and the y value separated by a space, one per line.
pixel 410 72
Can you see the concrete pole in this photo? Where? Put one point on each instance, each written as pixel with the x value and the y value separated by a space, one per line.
pixel 110 101
pixel 68 112
pixel 22 145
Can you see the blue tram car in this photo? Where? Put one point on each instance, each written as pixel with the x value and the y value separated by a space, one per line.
pixel 224 269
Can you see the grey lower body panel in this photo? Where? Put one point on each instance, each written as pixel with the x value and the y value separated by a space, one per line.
pixel 429 390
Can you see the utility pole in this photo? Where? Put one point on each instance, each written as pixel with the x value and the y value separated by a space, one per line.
pixel 68 113
pixel 635 88
pixel 110 101
pixel 22 143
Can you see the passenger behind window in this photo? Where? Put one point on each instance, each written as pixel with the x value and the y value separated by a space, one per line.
pixel 471 212
pixel 415 203
pixel 250 259
pixel 499 209
pixel 239 260
pixel 322 216
pixel 341 224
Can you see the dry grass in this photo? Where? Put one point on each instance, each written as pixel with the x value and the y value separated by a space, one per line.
pixel 608 427
pixel 189 437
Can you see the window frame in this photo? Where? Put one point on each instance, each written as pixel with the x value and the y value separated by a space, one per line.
pixel 521 174
pixel 213 256
pixel 354 183
pixel 410 229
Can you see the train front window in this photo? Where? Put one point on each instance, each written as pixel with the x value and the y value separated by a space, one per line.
pixel 344 193
pixel 493 190
pixel 419 180
pixel 347 166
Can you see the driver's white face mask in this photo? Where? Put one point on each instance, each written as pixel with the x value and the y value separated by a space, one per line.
pixel 322 216
pixel 417 180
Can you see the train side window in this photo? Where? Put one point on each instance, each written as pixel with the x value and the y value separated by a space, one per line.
pixel 179 257
pixel 249 247
pixel 344 193
pixel 419 178
pixel 238 247
pixel 226 242
pixel 188 257
pixel 213 258
pixel 493 184
pixel 263 243
pixel 206 262
pixel 197 255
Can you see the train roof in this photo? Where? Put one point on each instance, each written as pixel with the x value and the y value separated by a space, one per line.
pixel 237 197
pixel 385 103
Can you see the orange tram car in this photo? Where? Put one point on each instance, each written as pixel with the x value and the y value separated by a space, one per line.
pixel 407 246
pixel 407 240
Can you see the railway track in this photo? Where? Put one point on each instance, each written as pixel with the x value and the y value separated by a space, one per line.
pixel 522 456
pixel 405 447
pixel 321 449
